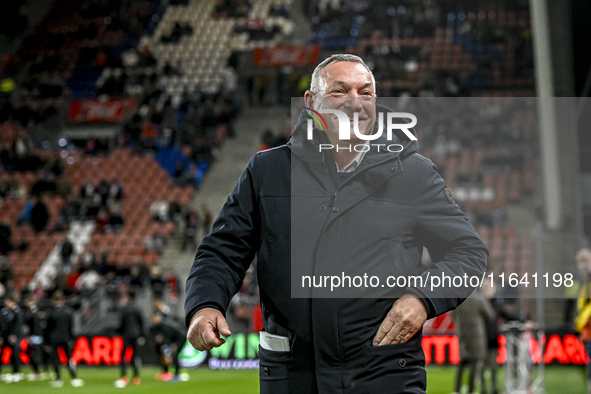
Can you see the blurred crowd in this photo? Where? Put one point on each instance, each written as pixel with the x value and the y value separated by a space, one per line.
pixel 35 330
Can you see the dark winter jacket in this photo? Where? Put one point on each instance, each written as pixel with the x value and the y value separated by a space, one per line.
pixel 60 325
pixel 293 210
pixel 11 322
pixel 131 325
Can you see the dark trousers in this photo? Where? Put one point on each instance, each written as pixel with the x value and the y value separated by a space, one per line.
pixel 35 353
pixel 14 358
pixel 173 351
pixel 474 367
pixel 136 360
pixel 56 359
pixel 588 349
pixel 176 349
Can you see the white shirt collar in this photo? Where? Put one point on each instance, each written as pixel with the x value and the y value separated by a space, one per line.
pixel 356 161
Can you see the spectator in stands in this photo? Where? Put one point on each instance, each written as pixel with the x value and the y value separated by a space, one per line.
pixel 191 229
pixel 46 183
pixel 102 221
pixel 175 213
pixel 157 283
pixel 206 219
pixel 88 282
pixel 25 215
pixel 155 242
pixel 471 318
pixel 6 245
pixel 39 215
pixel 6 273
pixel 116 220
pixel 60 334
pixel 159 211
pixel 115 192
pixel 89 261
pixel 66 253
pixel 136 278
pixel 9 189
pixel 131 329
pixel 69 212
pixel 70 278
pixel 11 322
pixel 173 284
pixel 22 153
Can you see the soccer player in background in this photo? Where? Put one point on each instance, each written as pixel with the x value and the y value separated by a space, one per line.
pixel 60 335
pixel 131 329
pixel 170 337
pixel 11 324
pixel 35 334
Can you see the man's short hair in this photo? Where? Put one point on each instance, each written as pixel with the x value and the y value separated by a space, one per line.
pixel 582 252
pixel 340 57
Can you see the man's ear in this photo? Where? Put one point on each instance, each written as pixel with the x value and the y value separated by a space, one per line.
pixel 309 99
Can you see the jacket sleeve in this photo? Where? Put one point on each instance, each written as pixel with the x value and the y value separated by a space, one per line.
pixel 226 252
pixel 453 244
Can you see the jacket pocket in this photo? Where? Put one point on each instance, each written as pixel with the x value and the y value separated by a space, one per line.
pixel 273 366
pixel 399 258
pixel 399 356
pixel 395 348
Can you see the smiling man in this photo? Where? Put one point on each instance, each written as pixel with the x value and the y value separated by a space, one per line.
pixel 356 215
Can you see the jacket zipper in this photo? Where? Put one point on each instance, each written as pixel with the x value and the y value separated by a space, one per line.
pixel 333 198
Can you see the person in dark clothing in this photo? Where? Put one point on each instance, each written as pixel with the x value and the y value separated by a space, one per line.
pixel 6 245
pixel 471 318
pixel 35 334
pixel 66 252
pixel 39 215
pixel 501 314
pixel 169 337
pixel 328 211
pixel 190 232
pixel 157 283
pixel 6 274
pixel 11 317
pixel 59 333
pixel 163 310
pixel 131 329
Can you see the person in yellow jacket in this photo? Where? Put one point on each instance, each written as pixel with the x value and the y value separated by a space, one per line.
pixel 583 319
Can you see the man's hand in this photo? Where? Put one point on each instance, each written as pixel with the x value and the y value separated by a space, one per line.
pixel 206 326
pixel 407 316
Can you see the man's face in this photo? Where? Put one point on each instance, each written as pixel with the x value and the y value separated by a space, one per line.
pixel 346 86
pixel 584 262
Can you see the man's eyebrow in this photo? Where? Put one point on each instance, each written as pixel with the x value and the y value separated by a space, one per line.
pixel 343 83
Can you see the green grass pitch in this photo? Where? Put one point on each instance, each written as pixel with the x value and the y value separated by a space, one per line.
pixel 561 380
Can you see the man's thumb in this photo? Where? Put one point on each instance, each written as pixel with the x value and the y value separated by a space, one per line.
pixel 223 327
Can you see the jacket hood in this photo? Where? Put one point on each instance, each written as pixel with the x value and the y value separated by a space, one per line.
pixel 308 150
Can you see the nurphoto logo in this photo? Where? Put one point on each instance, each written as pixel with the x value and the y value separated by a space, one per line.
pixel 345 128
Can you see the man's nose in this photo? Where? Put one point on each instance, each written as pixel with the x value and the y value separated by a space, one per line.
pixel 354 101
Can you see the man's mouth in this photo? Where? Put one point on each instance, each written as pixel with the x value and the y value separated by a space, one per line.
pixel 352 118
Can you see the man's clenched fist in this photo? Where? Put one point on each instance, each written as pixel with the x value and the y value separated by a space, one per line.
pixel 206 326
